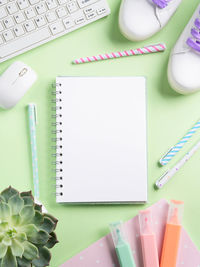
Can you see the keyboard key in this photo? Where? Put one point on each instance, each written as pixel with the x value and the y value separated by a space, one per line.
pixel 51 16
pixel 72 7
pixel 51 4
pixel 29 26
pixel 1 40
pixel 101 10
pixel 61 12
pixel 24 42
pixel 3 13
pixel 30 13
pixel 19 17
pixel 8 35
pixel 9 22
pixel 12 8
pixel 80 20
pixel 84 3
pixel 40 21
pixel 41 8
pixel 56 28
pixel 68 22
pixel 18 30
pixel 1 27
pixel 23 4
pixel 91 15
pixel 88 10
pixel 62 2
pixel 33 2
pixel 3 2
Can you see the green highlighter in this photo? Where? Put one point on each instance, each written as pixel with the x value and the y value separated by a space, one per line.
pixel 122 246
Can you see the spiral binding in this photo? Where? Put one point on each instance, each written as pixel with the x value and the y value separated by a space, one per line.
pixel 57 137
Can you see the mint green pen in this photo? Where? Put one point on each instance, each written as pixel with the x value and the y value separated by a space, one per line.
pixel 122 246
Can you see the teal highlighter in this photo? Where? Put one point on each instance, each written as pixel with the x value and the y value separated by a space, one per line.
pixel 122 246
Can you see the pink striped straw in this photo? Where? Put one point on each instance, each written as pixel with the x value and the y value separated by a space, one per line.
pixel 126 53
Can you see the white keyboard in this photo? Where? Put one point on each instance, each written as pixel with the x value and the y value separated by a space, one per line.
pixel 25 24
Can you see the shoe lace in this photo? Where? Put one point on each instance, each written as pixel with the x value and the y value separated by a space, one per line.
pixel 194 41
pixel 161 3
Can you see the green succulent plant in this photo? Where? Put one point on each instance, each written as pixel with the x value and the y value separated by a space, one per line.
pixel 26 234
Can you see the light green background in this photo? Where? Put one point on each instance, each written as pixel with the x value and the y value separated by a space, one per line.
pixel 169 116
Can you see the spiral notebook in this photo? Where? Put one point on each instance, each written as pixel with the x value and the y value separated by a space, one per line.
pixel 101 140
pixel 102 253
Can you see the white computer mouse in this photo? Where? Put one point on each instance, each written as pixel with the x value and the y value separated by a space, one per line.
pixel 14 83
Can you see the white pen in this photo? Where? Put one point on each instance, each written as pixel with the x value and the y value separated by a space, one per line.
pixel 32 115
pixel 170 173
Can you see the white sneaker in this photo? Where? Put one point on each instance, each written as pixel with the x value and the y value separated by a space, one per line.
pixel 184 63
pixel 140 19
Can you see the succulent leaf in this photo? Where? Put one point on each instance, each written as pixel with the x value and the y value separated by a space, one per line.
pixel 8 193
pixel 40 238
pixel 52 240
pixel 48 225
pixel 51 217
pixel 1 237
pixel 16 203
pixel 28 201
pixel 27 194
pixel 4 226
pixel 16 220
pixel 21 237
pixel 44 258
pixel 3 250
pixel 27 213
pixel 7 241
pixel 29 230
pixel 4 211
pixel 16 248
pixel 2 199
pixel 30 251
pixel 38 207
pixel 23 262
pixel 38 218
pixel 9 260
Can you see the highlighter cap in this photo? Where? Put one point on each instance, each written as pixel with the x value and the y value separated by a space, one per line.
pixel 118 233
pixel 175 214
pixel 146 222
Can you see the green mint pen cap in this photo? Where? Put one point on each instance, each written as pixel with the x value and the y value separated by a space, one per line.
pixel 122 246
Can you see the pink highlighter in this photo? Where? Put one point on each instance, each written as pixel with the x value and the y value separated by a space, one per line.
pixel 148 239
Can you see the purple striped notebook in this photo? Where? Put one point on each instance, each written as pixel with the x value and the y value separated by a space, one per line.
pixel 102 253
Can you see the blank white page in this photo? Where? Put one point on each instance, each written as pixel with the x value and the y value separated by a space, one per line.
pixel 104 150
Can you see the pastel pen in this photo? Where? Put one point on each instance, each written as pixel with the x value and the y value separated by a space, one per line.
pixel 148 239
pixel 122 246
pixel 172 234
pixel 32 116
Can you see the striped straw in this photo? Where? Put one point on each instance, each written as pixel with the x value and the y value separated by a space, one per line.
pixel 126 53
pixel 176 148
